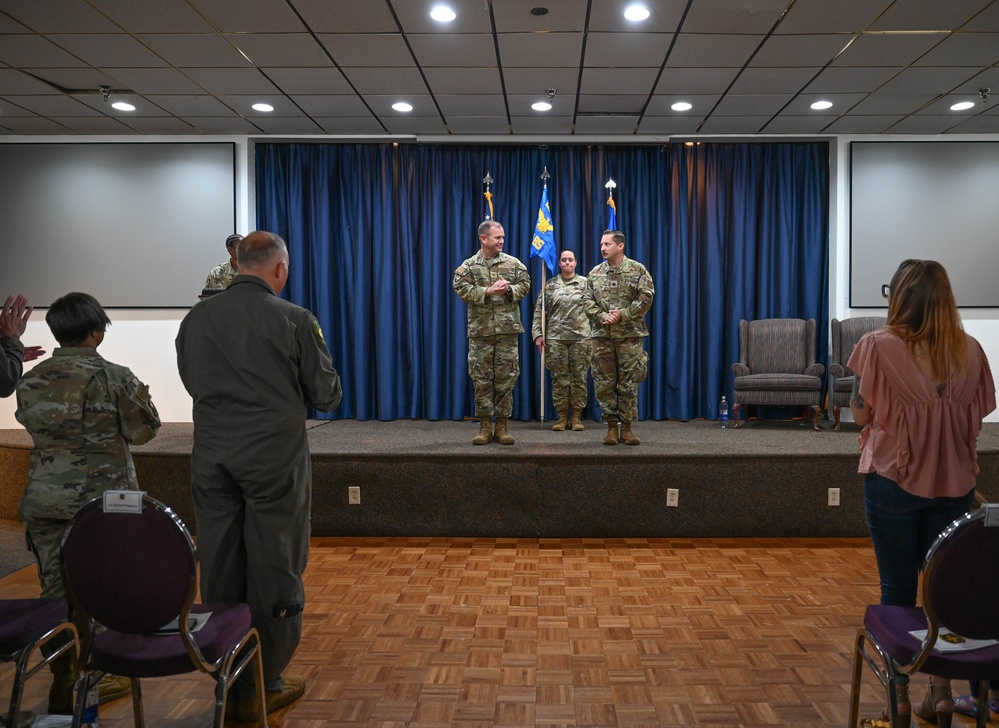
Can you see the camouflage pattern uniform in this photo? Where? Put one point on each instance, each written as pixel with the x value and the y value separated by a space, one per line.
pixel 567 339
pixel 11 366
pixel 620 361
pixel 82 412
pixel 221 276
pixel 493 329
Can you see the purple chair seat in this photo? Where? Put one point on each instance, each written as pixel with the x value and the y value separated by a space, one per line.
pixel 22 621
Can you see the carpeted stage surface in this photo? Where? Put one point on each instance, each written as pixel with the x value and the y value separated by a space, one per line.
pixel 422 478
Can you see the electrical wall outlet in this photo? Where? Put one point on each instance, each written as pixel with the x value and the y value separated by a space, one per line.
pixel 672 497
pixel 354 495
pixel 834 496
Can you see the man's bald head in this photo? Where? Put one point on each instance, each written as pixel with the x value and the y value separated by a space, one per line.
pixel 264 255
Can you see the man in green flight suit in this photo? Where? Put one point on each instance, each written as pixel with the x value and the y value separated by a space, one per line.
pixel 492 284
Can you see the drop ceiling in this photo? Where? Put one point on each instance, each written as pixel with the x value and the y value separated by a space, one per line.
pixel 336 67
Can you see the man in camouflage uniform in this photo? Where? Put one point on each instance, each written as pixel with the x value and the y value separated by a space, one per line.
pixel 13 320
pixel 82 413
pixel 492 284
pixel 565 340
pixel 619 293
pixel 221 275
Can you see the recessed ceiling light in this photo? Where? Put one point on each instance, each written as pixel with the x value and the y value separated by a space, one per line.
pixel 962 106
pixel 443 14
pixel 402 106
pixel 682 106
pixel 635 13
pixel 262 107
pixel 122 106
pixel 819 105
pixel 541 105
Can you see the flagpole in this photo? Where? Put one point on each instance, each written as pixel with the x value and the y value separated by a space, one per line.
pixel 612 214
pixel 544 313
pixel 488 180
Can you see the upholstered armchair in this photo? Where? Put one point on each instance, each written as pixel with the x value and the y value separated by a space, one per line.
pixel 845 335
pixel 777 366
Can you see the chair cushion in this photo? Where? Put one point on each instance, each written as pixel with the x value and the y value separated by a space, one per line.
pixel 778 345
pixel 779 382
pixel 843 384
pixel 157 655
pixel 890 627
pixel 22 621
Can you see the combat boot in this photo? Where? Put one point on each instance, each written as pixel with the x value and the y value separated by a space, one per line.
pixel 502 436
pixel 61 691
pixel 611 438
pixel 627 436
pixel 563 419
pixel 577 423
pixel 485 435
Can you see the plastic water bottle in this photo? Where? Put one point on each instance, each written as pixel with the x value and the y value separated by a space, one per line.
pixel 90 712
pixel 723 413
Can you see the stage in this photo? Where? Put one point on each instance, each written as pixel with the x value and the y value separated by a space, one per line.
pixel 422 478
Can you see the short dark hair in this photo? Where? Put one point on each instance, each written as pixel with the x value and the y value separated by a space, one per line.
pixel 74 317
pixel 233 240
pixel 616 235
pixel 486 225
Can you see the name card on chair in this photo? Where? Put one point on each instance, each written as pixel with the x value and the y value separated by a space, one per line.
pixel 123 501
pixel 991 514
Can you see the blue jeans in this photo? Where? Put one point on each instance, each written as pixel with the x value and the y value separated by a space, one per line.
pixel 903 527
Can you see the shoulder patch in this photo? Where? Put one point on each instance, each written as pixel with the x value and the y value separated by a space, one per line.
pixel 317 331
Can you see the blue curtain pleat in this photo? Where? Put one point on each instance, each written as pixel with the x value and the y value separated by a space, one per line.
pixel 375 232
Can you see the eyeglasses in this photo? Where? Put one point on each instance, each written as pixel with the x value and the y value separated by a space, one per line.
pixel 885 290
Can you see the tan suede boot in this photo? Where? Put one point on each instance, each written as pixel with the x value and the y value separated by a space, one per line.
pixel 577 423
pixel 485 432
pixel 611 438
pixel 627 436
pixel 502 436
pixel 563 418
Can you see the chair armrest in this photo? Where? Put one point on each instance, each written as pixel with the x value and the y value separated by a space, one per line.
pixel 815 370
pixel 837 371
pixel 740 370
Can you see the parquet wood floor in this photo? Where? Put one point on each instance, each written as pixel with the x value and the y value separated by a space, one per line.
pixel 571 632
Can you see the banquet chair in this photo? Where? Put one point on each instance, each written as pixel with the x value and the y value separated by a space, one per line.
pixel 27 626
pixel 777 366
pixel 960 594
pixel 133 575
pixel 845 335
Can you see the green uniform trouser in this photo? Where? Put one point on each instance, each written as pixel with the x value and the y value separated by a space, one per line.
pixel 568 361
pixel 619 365
pixel 494 366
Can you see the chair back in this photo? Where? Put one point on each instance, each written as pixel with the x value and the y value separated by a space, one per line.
pixel 131 572
pixel 960 589
pixel 847 333
pixel 777 346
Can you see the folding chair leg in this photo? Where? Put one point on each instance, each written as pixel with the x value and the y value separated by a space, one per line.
pixel 140 718
pixel 858 667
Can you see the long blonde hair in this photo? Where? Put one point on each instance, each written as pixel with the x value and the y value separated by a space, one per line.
pixel 923 313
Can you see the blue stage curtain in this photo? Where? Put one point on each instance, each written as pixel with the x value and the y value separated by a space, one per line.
pixel 375 231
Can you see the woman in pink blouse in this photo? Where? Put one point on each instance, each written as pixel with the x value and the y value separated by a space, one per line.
pixel 922 388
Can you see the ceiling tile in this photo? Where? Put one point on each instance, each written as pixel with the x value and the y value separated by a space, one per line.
pixel 478 124
pixel 608 17
pixel 606 124
pixel 734 124
pixel 773 80
pixel 987 21
pixel 186 106
pixel 222 125
pixel 884 103
pixel 288 125
pixel 396 81
pixel 153 81
pixel 847 80
pixel 164 125
pixel 701 104
pixel 694 81
pixel 325 105
pixel 620 80
pixel 109 51
pixel 57 105
pixel 874 49
pixel 964 49
pixel 324 16
pixel 243 105
pixel 928 15
pixel 33 125
pixel 713 51
pixel 725 16
pixel 751 105
pixel 920 124
pixel 281 50
pixel 32 51
pixel 791 124
pixel 473 17
pixel 546 50
pixel 514 16
pixel 541 124
pixel 414 125
pixel 162 16
pixel 196 51
pixel 479 106
pixel 626 49
pixel 608 103
pixel 535 81
pixel 455 49
pixel 669 125
pixel 792 51
pixel 72 16
pixel 367 50
pixel 841 103
pixel 351 126
pixel 249 16
pixel 96 125
pixel 19 82
pixel 461 80
pixel 822 16
pixel 231 80
pixel 860 124
pixel 308 80
pixel 927 80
